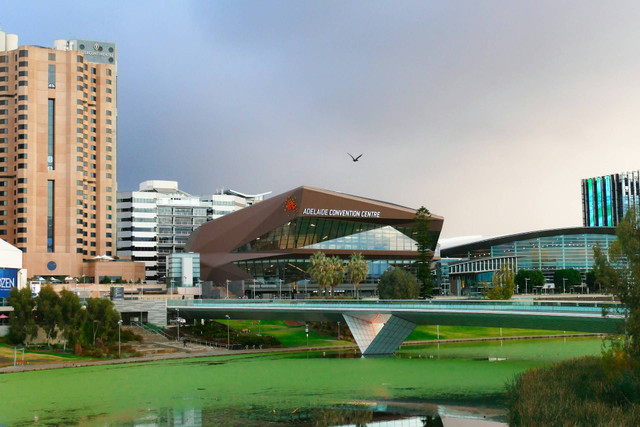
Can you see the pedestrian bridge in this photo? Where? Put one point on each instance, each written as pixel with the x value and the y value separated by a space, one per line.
pixel 380 327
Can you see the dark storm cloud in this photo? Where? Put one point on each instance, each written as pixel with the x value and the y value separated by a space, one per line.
pixel 488 113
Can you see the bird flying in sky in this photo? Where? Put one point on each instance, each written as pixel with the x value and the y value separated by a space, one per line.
pixel 355 159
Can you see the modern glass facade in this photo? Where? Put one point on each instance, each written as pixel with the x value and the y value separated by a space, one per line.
pixel 606 199
pixel 184 269
pixel 325 234
pixel 547 250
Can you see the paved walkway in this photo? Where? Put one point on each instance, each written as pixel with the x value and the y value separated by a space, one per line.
pixel 225 352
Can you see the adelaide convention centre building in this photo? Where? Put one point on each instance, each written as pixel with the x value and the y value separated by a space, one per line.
pixel 271 242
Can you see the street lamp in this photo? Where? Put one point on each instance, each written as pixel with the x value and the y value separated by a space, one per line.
pixel 119 324
pixel 306 330
pixel 526 282
pixel 178 314
pixel 227 289
pixel 564 290
pixel 259 334
pixel 338 331
pixel 228 342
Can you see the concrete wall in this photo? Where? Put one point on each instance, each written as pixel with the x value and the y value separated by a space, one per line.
pixel 156 309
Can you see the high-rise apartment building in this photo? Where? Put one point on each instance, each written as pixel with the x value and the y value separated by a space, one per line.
pixel 156 221
pixel 58 152
pixel 606 199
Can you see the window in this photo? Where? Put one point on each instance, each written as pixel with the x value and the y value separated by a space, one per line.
pixel 23 83
pixel 52 76
pixel 52 57
pixel 23 54
pixel 51 134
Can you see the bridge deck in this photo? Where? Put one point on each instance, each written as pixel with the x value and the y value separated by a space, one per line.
pixel 561 315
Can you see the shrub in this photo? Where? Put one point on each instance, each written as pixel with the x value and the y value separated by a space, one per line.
pixel 574 392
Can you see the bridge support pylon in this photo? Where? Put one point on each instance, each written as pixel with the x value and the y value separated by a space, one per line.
pixel 378 335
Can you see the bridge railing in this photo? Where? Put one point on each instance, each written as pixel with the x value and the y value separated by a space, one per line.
pixel 518 306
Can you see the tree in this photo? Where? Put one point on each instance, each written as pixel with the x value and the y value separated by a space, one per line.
pixel 571 275
pixel 102 320
pixel 358 270
pixel 590 280
pixel 72 317
pixel 535 278
pixel 620 276
pixel 337 270
pixel 319 270
pixel 22 325
pixel 423 238
pixel 48 313
pixel 397 283
pixel 502 284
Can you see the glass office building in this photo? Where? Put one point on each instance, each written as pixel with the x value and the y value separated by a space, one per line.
pixel 606 199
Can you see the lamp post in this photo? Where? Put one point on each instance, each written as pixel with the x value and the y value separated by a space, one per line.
pixel 228 340
pixel 338 331
pixel 119 324
pixel 564 290
pixel 227 289
pixel 306 330
pixel 178 319
pixel 526 282
pixel 259 334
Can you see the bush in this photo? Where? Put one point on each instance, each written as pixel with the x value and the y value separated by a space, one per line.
pixel 575 392
pixel 127 335
pixel 398 284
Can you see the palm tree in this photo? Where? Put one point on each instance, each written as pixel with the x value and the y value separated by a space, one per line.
pixel 319 270
pixel 358 270
pixel 336 272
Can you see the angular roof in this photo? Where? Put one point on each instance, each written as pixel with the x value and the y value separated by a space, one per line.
pixel 493 241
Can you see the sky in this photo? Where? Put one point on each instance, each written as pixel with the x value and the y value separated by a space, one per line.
pixel 487 113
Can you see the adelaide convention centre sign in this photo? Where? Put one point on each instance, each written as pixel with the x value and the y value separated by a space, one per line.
pixel 341 213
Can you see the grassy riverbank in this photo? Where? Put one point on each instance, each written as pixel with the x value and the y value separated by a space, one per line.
pixel 34 357
pixel 576 392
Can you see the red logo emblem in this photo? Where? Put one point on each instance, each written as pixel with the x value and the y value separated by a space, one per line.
pixel 290 205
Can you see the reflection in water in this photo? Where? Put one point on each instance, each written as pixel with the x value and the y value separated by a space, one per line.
pixel 357 415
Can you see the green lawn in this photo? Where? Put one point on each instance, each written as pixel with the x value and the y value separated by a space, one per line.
pixel 428 332
pixel 289 334
pixel 35 356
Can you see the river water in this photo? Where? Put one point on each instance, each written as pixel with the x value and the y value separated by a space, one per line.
pixel 447 385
